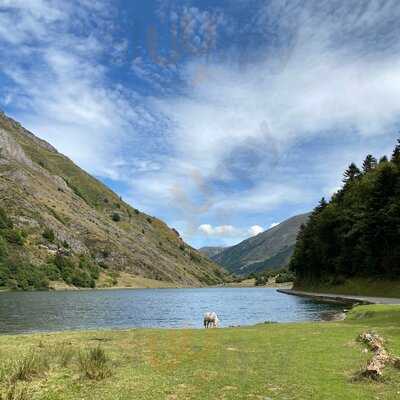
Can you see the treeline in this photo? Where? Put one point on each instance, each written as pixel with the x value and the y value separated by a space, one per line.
pixel 357 233
pixel 282 275
pixel 16 271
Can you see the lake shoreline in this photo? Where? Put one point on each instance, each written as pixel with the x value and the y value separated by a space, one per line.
pixel 341 299
pixel 166 285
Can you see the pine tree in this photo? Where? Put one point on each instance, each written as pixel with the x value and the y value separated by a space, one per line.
pixel 369 163
pixel 383 160
pixel 321 205
pixel 396 153
pixel 351 173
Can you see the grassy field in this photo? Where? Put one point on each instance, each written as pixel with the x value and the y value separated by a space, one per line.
pixel 270 361
pixel 359 286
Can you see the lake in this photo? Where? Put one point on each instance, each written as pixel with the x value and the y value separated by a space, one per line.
pixel 23 312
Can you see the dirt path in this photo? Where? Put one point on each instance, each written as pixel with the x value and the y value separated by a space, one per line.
pixel 341 298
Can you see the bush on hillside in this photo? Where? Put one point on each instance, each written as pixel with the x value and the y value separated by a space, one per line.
pixel 22 276
pixel 83 274
pixel 285 276
pixel 116 217
pixel 15 236
pixel 5 221
pixel 282 275
pixel 86 264
pixel 49 235
pixel 3 248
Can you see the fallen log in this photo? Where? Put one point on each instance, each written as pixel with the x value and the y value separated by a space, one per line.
pixel 381 357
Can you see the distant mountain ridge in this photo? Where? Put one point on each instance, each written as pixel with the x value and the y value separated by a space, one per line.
pixel 270 249
pixel 211 251
pixel 59 223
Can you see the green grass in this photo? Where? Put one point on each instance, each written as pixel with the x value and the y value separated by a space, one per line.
pixel 358 286
pixel 304 361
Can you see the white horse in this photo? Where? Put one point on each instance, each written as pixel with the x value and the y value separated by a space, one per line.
pixel 211 320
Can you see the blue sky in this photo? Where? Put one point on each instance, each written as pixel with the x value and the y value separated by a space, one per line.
pixel 219 117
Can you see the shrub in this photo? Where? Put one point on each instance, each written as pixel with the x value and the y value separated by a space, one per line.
pixel 17 392
pixel 15 236
pixel 51 271
pixel 93 364
pixel 285 276
pixel 261 280
pixel 48 234
pixel 105 253
pixel 33 364
pixel 3 248
pixel 65 266
pixel 22 276
pixel 65 353
pixel 5 221
pixel 116 217
pixel 86 264
pixel 83 274
pixel 82 279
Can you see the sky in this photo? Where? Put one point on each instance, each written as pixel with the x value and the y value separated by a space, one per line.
pixel 223 118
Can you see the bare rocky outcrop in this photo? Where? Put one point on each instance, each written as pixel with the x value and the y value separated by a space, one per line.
pixel 11 150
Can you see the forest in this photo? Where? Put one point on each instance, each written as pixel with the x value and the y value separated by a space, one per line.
pixel 355 234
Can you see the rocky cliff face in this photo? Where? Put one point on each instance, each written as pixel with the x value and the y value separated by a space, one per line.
pixel 42 191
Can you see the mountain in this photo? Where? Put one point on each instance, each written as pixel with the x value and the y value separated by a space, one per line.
pixel 211 251
pixel 58 223
pixel 270 249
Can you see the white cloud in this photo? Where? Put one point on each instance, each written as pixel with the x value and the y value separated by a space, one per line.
pixel 242 122
pixel 255 230
pixel 273 225
pixel 223 230
pixel 224 144
pixel 229 231
pixel 65 96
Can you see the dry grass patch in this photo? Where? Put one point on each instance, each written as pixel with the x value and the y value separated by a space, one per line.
pixel 94 364
pixel 32 365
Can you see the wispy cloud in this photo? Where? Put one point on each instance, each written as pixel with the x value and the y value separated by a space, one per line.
pixel 243 122
pixel 68 98
pixel 263 106
pixel 229 231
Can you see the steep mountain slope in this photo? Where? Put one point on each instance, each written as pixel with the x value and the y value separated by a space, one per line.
pixel 270 249
pixel 211 251
pixel 58 210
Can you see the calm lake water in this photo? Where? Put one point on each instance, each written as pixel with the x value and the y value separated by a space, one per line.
pixel 166 308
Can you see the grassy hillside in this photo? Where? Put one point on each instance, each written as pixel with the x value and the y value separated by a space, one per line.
pixel 318 361
pixel 71 224
pixel 270 249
